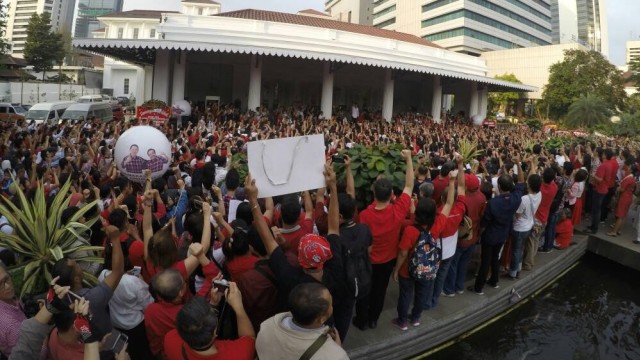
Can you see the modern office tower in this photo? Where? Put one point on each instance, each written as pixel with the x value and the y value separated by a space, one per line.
pixel 352 11
pixel 467 26
pixel 20 11
pixel 581 21
pixel 88 13
pixel 633 50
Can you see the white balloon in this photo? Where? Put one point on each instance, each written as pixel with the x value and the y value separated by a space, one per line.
pixel 181 108
pixel 141 148
pixel 477 120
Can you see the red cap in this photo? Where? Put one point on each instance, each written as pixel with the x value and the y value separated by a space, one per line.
pixel 313 251
pixel 472 182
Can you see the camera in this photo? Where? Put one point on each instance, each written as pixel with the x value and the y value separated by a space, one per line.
pixel 338 159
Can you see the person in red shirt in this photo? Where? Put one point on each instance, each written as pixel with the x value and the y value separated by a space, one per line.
pixel 475 203
pixel 441 182
pixel 564 230
pixel 426 220
pixel 294 228
pixel 549 189
pixel 171 290
pixel 195 335
pixel 600 179
pixel 610 178
pixel 132 246
pixel 385 221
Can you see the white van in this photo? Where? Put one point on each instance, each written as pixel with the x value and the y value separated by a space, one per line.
pixel 52 112
pixel 84 112
pixel 90 99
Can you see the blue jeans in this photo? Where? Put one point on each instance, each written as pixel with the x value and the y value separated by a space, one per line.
pixel 458 270
pixel 441 276
pixel 550 231
pixel 517 247
pixel 420 290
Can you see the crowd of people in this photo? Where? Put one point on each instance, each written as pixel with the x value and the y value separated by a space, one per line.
pixel 196 266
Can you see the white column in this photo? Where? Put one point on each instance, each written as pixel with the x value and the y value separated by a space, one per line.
pixel 436 100
pixel 473 100
pixel 483 101
pixel 255 82
pixel 161 71
pixel 387 97
pixel 326 103
pixel 107 82
pixel 139 85
pixel 179 76
pixel 446 103
pixel 148 85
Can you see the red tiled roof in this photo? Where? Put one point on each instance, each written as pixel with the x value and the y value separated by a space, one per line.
pixel 313 12
pixel 272 16
pixel 137 14
pixel 12 61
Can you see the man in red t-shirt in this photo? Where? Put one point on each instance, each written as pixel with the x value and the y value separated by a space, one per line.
pixel 171 290
pixel 441 182
pixel 611 175
pixel 294 228
pixel 601 182
pixel 549 189
pixel 194 337
pixel 385 221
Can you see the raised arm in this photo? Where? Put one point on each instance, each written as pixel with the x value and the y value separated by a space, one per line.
pixel 308 205
pixel 446 210
pixel 147 227
pixel 351 185
pixel 516 161
pixel 461 180
pixel 117 258
pixel 251 191
pixel 234 298
pixel 408 175
pixel 334 207
pixel 268 205
pixel 206 227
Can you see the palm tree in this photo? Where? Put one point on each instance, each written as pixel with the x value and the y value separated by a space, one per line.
pixel 587 112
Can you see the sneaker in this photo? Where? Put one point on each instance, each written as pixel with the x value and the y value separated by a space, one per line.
pixel 402 325
pixel 415 323
pixel 447 295
pixel 546 251
pixel 636 241
pixel 495 286
pixel 460 292
pixel 470 288
pixel 512 278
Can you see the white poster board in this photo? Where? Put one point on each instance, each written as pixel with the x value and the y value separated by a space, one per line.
pixel 288 165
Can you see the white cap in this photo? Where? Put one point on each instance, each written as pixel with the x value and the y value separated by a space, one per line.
pixel 6 164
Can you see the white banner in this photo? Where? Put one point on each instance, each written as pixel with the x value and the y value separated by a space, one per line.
pixel 288 165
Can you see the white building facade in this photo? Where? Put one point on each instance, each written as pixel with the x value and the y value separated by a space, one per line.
pixel 20 11
pixel 633 50
pixel 249 58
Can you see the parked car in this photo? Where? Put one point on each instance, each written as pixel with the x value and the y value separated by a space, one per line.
pixel 51 112
pixel 83 112
pixel 11 112
pixel 123 100
pixel 118 112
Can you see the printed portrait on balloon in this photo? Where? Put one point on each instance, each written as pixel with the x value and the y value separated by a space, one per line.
pixel 142 148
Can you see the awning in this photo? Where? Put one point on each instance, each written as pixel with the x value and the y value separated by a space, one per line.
pixel 142 52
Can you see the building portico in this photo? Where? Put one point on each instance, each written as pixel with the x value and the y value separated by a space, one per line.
pixel 255 58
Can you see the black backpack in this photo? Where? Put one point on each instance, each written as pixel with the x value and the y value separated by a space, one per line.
pixel 357 266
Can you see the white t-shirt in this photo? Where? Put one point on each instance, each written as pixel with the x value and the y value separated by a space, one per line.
pixel 523 220
pixel 130 299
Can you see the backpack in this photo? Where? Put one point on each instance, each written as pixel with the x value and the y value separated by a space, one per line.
pixel 557 200
pixel 357 269
pixel 426 257
pixel 465 229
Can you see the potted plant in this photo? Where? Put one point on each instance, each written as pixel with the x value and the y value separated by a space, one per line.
pixel 40 239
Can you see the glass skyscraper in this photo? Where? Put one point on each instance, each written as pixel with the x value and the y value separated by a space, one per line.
pixel 88 13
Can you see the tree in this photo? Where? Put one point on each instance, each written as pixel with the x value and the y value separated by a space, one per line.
pixel 582 73
pixel 4 45
pixel 587 112
pixel 43 48
pixel 502 100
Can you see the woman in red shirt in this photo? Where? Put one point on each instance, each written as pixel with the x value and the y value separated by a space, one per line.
pixel 625 196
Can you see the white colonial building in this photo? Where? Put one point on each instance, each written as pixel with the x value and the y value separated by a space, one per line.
pixel 262 58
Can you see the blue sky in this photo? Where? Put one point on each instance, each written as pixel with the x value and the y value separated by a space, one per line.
pixel 622 15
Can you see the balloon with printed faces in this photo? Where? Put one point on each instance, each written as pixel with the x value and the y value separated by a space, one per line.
pixel 141 148
pixel 181 108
